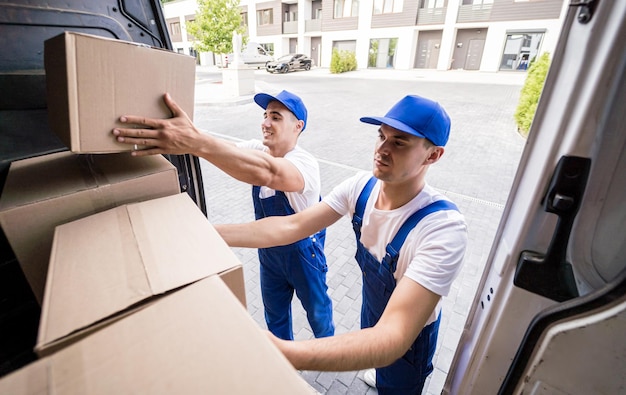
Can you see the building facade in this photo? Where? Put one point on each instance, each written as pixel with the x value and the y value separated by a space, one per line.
pixel 485 35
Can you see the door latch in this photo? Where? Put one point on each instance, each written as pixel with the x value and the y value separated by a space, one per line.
pixel 585 12
pixel 550 274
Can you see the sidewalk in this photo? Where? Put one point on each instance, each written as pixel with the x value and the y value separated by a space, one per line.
pixel 212 92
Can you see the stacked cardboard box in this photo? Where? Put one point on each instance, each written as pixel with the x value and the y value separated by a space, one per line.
pixel 43 192
pixel 197 340
pixel 120 258
pixel 139 293
pixel 91 81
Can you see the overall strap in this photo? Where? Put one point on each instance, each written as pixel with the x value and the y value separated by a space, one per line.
pixel 357 218
pixel 393 248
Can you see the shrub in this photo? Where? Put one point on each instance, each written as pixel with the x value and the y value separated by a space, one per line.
pixel 531 91
pixel 342 61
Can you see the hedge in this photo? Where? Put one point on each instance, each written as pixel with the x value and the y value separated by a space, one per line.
pixel 530 93
pixel 342 61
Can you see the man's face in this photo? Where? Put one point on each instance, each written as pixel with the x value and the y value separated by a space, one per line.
pixel 280 127
pixel 399 156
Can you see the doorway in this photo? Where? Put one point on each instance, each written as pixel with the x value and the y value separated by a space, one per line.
pixel 468 49
pixel 316 50
pixel 427 53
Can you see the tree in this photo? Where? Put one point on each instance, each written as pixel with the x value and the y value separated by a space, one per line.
pixel 216 22
pixel 530 93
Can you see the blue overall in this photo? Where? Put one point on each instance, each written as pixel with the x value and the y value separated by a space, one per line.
pixel 300 266
pixel 408 374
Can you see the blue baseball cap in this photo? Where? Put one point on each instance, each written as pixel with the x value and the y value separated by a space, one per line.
pixel 418 116
pixel 288 99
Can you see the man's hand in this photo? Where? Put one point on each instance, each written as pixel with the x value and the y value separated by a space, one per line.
pixel 176 135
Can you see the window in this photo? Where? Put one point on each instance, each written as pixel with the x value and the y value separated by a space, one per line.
pixel 290 16
pixel 346 8
pixel 175 27
pixel 387 6
pixel 265 17
pixel 520 50
pixel 382 53
pixel 187 21
pixel 430 4
pixel 477 2
pixel 244 19
pixel 269 48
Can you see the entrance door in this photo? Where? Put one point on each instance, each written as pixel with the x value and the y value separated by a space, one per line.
pixel 428 54
pixel 474 54
pixel 293 45
pixel 316 50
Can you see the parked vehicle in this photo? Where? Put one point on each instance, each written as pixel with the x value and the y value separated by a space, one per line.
pixel 290 62
pixel 253 54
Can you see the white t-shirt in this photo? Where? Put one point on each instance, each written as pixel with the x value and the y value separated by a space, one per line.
pixel 433 251
pixel 307 166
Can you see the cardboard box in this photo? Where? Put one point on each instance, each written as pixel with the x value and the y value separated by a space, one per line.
pixel 118 259
pixel 43 192
pixel 91 81
pixel 197 340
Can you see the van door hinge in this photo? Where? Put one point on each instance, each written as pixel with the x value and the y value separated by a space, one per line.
pixel 587 7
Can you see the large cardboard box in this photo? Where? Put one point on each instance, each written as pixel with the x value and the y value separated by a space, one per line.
pixel 197 340
pixel 43 192
pixel 110 262
pixel 92 81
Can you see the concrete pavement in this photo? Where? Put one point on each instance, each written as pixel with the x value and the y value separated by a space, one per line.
pixel 215 95
pixel 487 128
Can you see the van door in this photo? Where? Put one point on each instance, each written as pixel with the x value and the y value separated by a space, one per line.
pixel 549 316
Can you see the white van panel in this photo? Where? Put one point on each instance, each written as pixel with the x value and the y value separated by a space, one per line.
pixel 582 113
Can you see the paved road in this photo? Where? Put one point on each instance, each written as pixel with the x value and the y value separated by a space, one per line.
pixel 476 172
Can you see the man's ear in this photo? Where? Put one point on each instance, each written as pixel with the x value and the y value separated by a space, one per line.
pixel 300 125
pixel 435 154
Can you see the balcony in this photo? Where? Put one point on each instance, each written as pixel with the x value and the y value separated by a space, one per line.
pixel 290 27
pixel 313 25
pixel 474 13
pixel 431 16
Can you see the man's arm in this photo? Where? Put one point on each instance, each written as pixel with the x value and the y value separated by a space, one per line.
pixel 178 135
pixel 279 230
pixel 404 317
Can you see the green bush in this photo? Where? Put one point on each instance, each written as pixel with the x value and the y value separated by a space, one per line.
pixel 342 61
pixel 531 91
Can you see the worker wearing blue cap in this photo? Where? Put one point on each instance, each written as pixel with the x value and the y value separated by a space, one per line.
pixel 285 180
pixel 410 239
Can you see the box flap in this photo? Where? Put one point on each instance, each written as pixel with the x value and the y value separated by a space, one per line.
pixel 107 262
